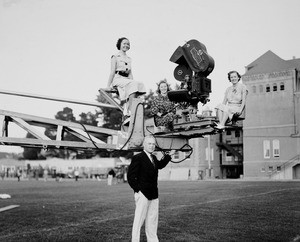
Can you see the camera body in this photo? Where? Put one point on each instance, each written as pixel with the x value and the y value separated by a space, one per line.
pixel 194 65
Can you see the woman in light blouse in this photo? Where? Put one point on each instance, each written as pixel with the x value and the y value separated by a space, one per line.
pixel 121 77
pixel 234 100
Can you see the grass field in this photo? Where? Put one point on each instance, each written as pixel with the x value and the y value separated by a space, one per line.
pixel 222 210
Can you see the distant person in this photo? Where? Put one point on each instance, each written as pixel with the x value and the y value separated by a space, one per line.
pixel 19 175
pixel 110 176
pixel 76 174
pixel 36 174
pixel 162 108
pixel 45 175
pixel 142 177
pixel 122 78
pixel 234 100
pixel 2 174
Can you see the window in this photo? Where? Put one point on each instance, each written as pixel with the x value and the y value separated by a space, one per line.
pixel 281 86
pixel 274 87
pixel 237 133
pixel 268 88
pixel 228 157
pixel 276 150
pixel 278 168
pixel 266 146
pixel 263 169
pixel 228 132
pixel 254 89
pixel 261 88
pixel 270 168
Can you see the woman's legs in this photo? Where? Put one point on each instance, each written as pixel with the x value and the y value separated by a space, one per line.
pixel 222 116
pixel 127 108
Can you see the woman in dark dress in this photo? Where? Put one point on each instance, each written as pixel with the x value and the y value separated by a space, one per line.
pixel 162 108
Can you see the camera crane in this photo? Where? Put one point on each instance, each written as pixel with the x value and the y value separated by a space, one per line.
pixel 194 65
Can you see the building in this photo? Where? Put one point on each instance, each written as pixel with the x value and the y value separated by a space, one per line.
pixel 271 127
pixel 230 147
pixel 202 163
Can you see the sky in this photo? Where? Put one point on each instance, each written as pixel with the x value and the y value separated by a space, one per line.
pixel 62 48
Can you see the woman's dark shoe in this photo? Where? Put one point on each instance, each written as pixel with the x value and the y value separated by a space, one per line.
pixel 126 120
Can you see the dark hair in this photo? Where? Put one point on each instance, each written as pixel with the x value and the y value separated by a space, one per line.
pixel 238 74
pixel 158 85
pixel 119 42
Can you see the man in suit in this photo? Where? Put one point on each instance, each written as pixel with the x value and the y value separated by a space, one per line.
pixel 142 177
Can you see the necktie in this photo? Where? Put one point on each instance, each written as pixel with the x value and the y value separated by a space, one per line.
pixel 152 160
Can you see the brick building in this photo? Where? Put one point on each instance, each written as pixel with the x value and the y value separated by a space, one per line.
pixel 271 127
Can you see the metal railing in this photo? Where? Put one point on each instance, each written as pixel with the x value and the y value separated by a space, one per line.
pixel 286 164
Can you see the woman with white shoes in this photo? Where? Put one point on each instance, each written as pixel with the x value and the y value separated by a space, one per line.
pixel 121 77
pixel 234 100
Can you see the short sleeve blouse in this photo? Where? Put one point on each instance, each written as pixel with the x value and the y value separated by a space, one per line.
pixel 234 95
pixel 123 62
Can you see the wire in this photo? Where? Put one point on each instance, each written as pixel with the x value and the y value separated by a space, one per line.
pixel 93 142
pixel 89 136
pixel 149 131
pixel 135 113
pixel 189 155
pixel 165 153
pixel 159 148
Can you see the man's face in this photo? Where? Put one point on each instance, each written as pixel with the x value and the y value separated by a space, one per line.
pixel 149 144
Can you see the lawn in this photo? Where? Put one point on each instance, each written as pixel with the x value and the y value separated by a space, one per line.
pixel 88 210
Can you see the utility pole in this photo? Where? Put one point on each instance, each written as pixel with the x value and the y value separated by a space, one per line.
pixel 209 155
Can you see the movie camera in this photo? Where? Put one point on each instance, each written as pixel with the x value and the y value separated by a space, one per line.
pixel 194 65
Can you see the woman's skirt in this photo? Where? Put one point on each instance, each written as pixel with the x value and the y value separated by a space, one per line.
pixel 166 120
pixel 128 86
pixel 231 109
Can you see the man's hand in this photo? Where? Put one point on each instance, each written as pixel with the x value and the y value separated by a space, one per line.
pixel 170 153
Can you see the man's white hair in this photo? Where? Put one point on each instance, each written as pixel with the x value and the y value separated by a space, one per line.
pixel 148 137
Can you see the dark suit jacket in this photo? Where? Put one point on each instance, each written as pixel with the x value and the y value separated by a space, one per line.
pixel 142 174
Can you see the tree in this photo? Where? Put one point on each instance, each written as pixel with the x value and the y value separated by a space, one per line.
pixel 147 104
pixel 85 119
pixel 88 118
pixel 66 115
pixel 112 116
pixel 31 153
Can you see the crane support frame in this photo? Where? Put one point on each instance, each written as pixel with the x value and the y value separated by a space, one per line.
pixel 86 133
pixel 128 138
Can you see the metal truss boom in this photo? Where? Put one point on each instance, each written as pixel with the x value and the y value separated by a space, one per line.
pixel 96 104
